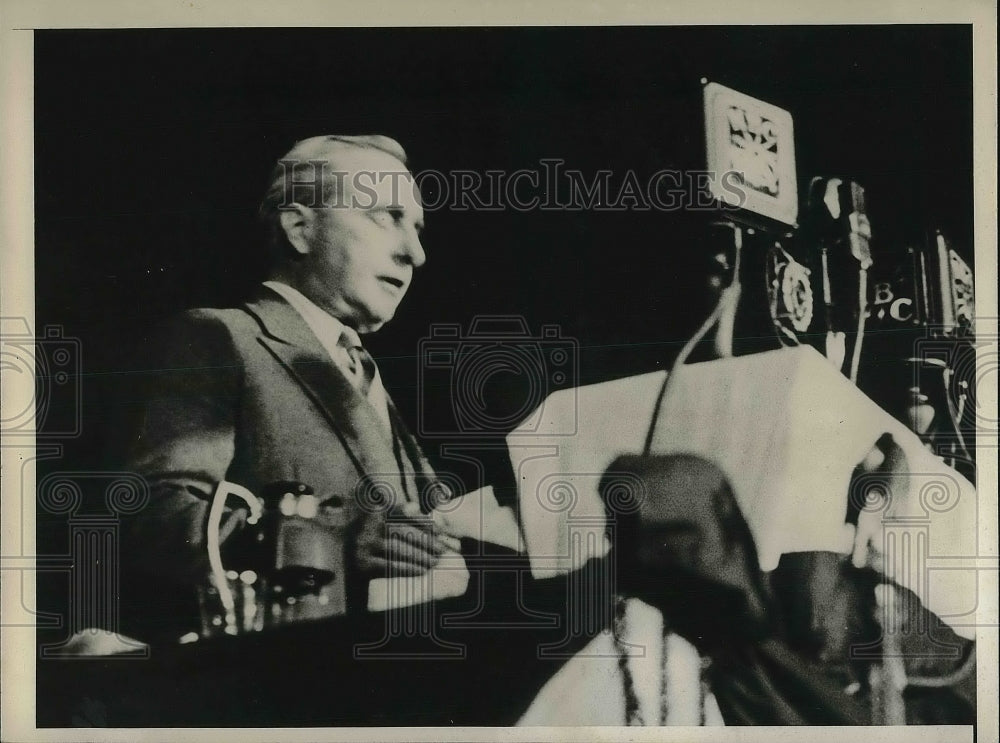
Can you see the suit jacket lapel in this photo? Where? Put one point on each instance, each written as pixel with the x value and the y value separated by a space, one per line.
pixel 288 338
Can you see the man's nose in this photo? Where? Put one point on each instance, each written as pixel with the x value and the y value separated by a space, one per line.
pixel 412 250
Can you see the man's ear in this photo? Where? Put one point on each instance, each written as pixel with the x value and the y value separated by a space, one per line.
pixel 297 221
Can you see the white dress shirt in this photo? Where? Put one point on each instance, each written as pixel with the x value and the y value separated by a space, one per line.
pixel 328 330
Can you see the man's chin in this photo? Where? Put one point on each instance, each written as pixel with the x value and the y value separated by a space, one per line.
pixel 372 324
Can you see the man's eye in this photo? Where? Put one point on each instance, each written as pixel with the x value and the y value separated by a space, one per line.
pixel 381 217
pixel 386 217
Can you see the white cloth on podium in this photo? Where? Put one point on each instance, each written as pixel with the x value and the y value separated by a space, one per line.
pixel 588 690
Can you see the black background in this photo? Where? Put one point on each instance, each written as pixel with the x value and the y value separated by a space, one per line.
pixel 152 149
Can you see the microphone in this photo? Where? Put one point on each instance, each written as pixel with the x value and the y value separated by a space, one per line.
pixel 840 218
pixel 838 224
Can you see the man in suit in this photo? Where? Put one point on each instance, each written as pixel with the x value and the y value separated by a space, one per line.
pixel 281 389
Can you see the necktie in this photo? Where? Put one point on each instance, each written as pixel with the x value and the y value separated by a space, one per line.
pixel 361 366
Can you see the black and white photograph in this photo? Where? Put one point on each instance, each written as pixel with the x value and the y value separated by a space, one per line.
pixel 379 375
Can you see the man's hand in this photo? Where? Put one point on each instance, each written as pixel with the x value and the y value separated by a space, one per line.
pixel 399 541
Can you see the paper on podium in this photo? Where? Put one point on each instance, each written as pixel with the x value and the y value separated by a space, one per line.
pixel 450 577
pixel 476 515
pixel 788 431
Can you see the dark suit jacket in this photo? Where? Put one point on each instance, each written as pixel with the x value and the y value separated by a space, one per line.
pixel 247 395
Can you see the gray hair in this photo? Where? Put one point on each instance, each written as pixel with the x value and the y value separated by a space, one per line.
pixel 298 167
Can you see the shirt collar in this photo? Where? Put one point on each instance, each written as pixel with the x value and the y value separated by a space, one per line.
pixel 325 326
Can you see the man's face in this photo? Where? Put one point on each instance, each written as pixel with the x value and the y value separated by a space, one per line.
pixel 364 246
